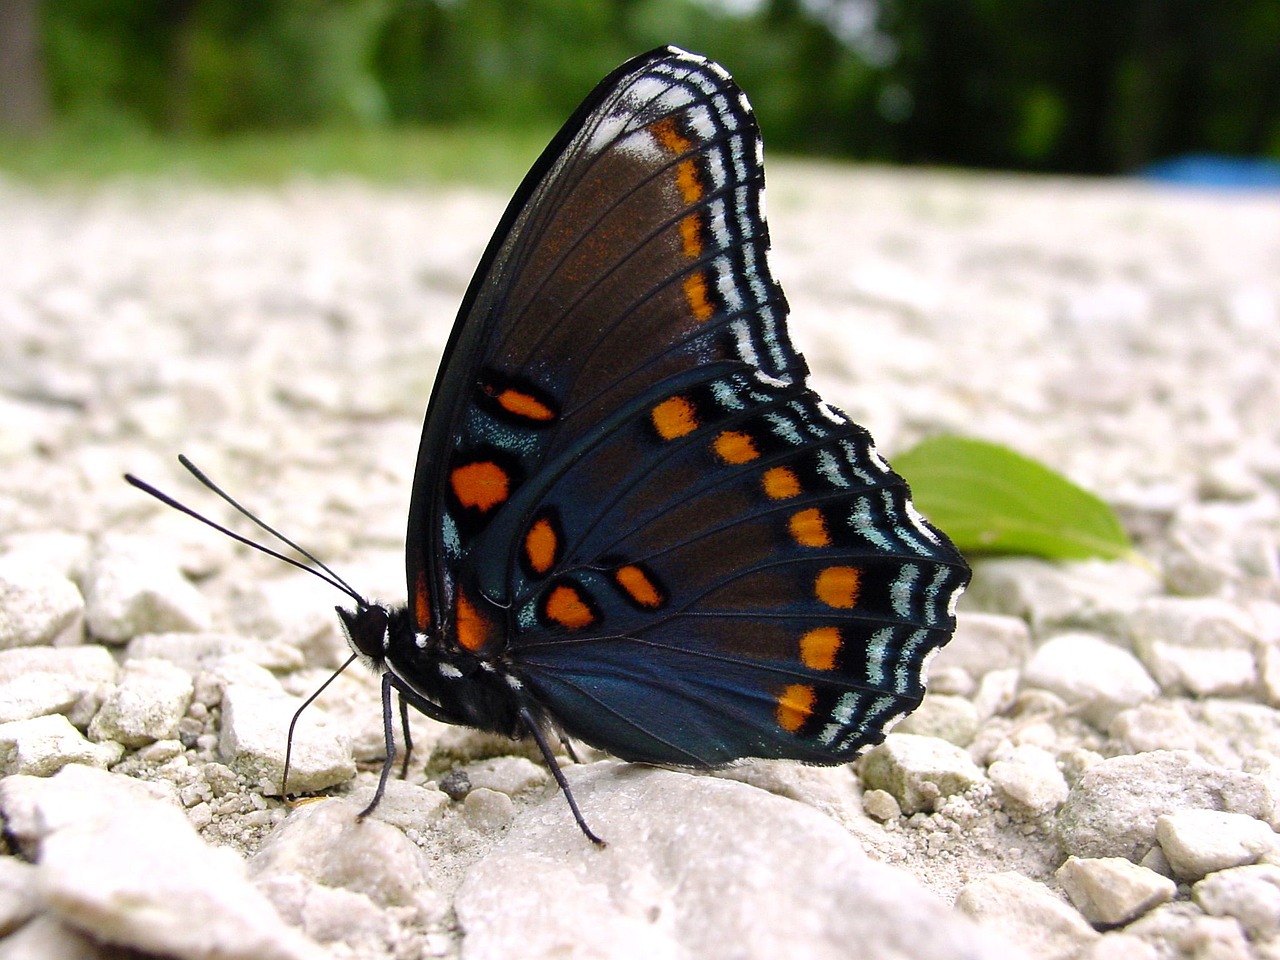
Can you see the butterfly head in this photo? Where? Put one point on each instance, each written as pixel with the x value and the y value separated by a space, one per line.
pixel 368 630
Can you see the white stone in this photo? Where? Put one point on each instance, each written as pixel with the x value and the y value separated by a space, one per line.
pixel 1112 809
pixel 332 915
pixel 1110 891
pixel 1197 936
pixel 984 642
pixel 488 810
pixel 1203 646
pixel 1201 671
pixel 1028 914
pixel 35 806
pixel 142 878
pixel 1093 595
pixel 195 651
pixel 44 938
pixel 833 790
pixel 403 804
pixel 324 842
pixel 19 901
pixel 1119 946
pixel 954 719
pixel 509 775
pixel 881 805
pixel 68 553
pixel 918 771
pixel 1029 777
pixel 44 745
pixel 38 604
pixel 37 694
pixel 1098 678
pixel 39 680
pixel 152 697
pixel 255 731
pixel 1269 669
pixel 997 692
pixel 1199 842
pixel 130 589
pixel 1250 894
pixel 695 867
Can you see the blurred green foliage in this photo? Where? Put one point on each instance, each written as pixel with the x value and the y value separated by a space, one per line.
pixel 1085 86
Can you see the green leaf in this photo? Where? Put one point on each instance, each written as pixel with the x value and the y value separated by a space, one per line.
pixel 989 499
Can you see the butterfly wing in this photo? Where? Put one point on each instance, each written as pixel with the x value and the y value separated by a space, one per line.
pixel 626 492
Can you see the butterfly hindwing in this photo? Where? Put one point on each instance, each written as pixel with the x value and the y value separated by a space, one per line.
pixel 627 495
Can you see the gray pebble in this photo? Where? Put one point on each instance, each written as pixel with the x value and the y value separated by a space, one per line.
pixel 44 745
pixel 141 877
pixel 918 771
pixel 19 900
pixel 1249 894
pixel 324 842
pixel 1029 777
pixel 130 589
pixel 152 697
pixel 38 604
pixel 1113 809
pixel 1203 646
pixel 1097 677
pixel 1028 914
pixel 71 680
pixel 692 866
pixel 984 642
pixel 1110 891
pixel 1199 842
pixel 954 719
pixel 255 729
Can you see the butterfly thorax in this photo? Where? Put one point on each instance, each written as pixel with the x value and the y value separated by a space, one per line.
pixel 434 672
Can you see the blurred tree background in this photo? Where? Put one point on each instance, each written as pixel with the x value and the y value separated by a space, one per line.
pixel 1082 86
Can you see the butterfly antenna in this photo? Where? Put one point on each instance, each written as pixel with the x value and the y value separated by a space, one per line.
pixel 328 576
pixel 288 743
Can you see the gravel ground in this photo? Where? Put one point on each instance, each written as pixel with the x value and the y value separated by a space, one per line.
pixel 1094 773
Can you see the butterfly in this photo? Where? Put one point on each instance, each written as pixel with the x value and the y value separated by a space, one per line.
pixel 632 523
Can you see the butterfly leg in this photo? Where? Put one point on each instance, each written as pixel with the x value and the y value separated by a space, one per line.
pixel 549 757
pixel 408 737
pixel 388 732
pixel 568 748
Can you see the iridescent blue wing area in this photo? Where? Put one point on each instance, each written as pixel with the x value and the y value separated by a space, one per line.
pixel 627 500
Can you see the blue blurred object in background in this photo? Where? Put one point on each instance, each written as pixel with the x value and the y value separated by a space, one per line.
pixel 1216 172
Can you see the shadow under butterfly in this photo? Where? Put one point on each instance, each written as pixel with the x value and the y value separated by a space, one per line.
pixel 632 523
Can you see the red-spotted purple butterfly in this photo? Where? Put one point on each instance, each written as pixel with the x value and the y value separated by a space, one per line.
pixel 632 523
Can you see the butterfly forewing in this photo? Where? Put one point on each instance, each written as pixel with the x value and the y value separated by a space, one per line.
pixel 626 494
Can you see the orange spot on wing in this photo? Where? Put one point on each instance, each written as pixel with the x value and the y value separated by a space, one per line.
pixel 691 236
pixel 482 485
pixel 695 293
pixel 795 706
pixel 674 417
pixel 781 483
pixel 733 446
pixel 473 629
pixel 838 587
pixel 809 529
pixel 688 180
pixel 669 136
pixel 524 405
pixel 566 607
pixel 541 545
pixel 818 648
pixel 638 586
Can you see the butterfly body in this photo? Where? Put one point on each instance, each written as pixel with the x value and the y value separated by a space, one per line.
pixel 632 522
